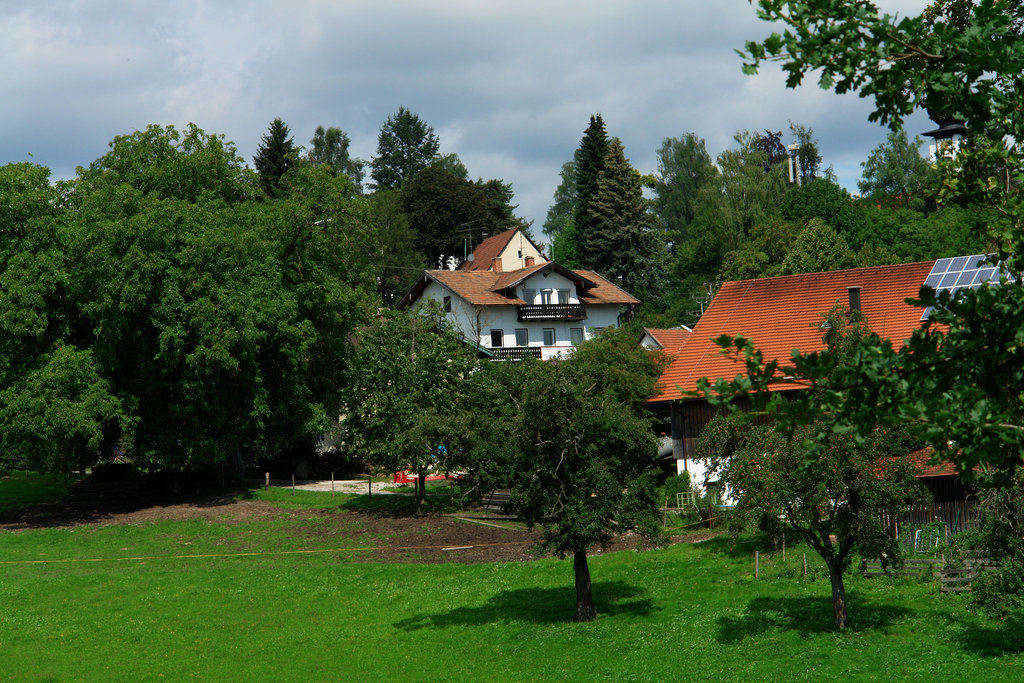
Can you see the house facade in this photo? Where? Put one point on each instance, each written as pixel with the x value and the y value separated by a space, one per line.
pixel 505 252
pixel 542 310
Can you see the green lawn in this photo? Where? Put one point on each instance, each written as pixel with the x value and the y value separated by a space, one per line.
pixel 685 613
pixel 18 489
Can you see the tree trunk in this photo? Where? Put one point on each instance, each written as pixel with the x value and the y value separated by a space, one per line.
pixel 835 574
pixel 584 595
pixel 421 487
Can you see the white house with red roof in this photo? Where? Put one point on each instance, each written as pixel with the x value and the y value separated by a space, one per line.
pixel 542 310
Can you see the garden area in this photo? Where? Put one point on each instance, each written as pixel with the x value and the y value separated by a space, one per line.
pixel 283 586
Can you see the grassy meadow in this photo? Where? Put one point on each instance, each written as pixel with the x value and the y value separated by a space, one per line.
pixel 190 609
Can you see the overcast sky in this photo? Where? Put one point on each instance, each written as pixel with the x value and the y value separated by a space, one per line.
pixel 508 86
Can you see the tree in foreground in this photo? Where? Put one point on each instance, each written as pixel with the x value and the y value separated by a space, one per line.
pixel 413 392
pixel 275 155
pixel 956 381
pixel 832 495
pixel 405 146
pixel 584 467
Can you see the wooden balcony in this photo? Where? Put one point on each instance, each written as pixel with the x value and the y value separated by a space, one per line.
pixel 516 353
pixel 552 312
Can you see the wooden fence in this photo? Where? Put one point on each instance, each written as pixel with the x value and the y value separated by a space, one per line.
pixel 956 516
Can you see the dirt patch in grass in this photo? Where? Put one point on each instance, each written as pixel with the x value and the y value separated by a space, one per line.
pixel 364 535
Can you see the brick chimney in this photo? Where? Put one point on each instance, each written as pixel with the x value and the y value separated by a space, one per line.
pixel 496 264
pixel 529 261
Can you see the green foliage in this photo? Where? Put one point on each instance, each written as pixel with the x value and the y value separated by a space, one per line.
pixel 275 155
pixel 955 380
pixel 439 206
pixel 561 211
pixel 405 146
pixel 823 199
pixel 829 486
pixel 330 147
pixel 620 241
pixel 585 470
pixel 414 392
pixel 684 166
pixel 896 169
pixel 155 306
pixel 817 248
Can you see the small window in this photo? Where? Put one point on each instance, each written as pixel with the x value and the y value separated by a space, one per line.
pixel 563 296
pixel 549 336
pixel 447 304
pixel 546 296
pixel 576 335
pixel 497 338
pixel 530 296
pixel 519 253
pixel 522 336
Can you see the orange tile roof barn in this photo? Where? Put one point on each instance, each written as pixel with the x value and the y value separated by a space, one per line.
pixel 670 338
pixel 784 313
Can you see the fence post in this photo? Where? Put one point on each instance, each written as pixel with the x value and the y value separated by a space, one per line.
pixel 293 484
pixel 332 483
pixel 268 482
pixel 805 565
pixel 757 563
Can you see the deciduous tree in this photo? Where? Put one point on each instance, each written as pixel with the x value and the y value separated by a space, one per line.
pixel 584 469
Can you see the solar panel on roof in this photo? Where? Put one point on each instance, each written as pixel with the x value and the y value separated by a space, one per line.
pixel 954 274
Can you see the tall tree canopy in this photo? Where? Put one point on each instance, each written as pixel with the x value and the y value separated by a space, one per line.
pixel 440 206
pixel 172 317
pixel 896 170
pixel 329 147
pixel 275 155
pixel 684 166
pixel 621 242
pixel 405 146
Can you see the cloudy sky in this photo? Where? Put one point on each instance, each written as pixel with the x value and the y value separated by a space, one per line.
pixel 508 86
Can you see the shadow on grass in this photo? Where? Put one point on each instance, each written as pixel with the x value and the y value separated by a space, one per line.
pixel 536 605
pixel 806 616
pixel 989 638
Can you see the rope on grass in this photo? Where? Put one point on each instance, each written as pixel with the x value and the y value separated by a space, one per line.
pixel 256 554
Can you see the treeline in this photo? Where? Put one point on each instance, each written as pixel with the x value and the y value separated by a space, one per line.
pixel 759 209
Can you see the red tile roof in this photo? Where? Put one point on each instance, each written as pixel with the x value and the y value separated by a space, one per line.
pixel 486 288
pixel 485 252
pixel 784 313
pixel 921 460
pixel 671 338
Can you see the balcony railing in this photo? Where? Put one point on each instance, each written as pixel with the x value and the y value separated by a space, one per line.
pixel 552 312
pixel 516 353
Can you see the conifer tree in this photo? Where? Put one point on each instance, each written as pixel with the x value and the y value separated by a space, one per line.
pixel 620 241
pixel 274 156
pixel 589 159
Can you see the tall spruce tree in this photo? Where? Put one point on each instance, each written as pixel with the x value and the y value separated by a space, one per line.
pixel 590 160
pixel 405 146
pixel 620 240
pixel 274 156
